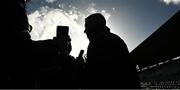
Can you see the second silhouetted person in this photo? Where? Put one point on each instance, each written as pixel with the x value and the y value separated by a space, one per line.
pixel 108 64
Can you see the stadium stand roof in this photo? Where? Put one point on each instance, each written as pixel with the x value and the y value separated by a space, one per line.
pixel 162 45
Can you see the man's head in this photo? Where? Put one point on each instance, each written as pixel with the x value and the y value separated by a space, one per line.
pixel 94 24
pixel 95 20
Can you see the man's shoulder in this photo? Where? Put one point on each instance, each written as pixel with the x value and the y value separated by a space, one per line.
pixel 115 37
pixel 109 38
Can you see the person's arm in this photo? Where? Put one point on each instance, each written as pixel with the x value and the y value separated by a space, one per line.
pixel 45 46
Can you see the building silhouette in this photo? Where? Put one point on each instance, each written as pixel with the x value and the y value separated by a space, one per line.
pixel 164 76
pixel 162 45
pixel 158 57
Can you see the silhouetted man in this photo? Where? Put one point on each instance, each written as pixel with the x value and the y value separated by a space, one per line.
pixel 108 62
pixel 22 58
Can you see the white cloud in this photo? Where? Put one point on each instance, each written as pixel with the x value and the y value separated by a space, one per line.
pixel 51 1
pixel 46 19
pixel 91 9
pixel 171 1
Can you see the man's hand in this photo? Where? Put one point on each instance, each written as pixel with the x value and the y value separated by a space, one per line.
pixel 64 44
pixel 80 58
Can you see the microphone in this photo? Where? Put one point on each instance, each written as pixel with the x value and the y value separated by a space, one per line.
pixel 81 53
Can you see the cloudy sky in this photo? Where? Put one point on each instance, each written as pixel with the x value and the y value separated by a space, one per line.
pixel 132 20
